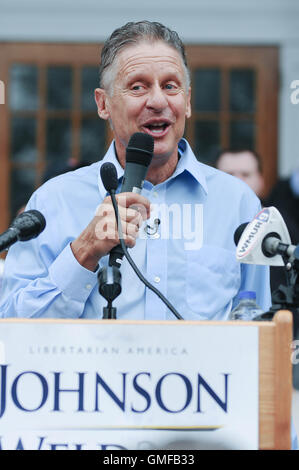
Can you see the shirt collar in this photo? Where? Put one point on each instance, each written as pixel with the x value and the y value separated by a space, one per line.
pixel 110 157
pixel 188 162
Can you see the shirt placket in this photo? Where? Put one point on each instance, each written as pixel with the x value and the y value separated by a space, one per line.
pixel 156 263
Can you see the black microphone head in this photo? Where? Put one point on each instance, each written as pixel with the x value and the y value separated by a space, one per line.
pixel 239 231
pixel 29 224
pixel 140 149
pixel 109 177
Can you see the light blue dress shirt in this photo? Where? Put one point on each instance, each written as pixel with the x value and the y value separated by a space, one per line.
pixel 191 258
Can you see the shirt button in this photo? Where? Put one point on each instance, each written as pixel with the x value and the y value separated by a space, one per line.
pixel 88 286
pixel 157 279
pixel 155 194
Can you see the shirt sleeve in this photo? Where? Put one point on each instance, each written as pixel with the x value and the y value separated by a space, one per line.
pixel 256 278
pixel 44 282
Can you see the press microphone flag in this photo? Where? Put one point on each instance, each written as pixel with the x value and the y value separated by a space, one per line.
pixel 264 240
pixel 26 226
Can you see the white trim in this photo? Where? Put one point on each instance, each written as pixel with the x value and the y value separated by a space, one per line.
pixel 214 21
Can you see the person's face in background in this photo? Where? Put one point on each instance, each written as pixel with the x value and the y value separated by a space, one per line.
pixel 244 166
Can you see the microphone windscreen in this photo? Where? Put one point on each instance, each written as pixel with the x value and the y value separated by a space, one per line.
pixel 29 224
pixel 109 177
pixel 140 149
pixel 239 231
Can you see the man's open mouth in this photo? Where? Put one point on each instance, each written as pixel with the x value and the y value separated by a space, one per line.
pixel 158 129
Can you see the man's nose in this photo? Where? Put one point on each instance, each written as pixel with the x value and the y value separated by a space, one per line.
pixel 156 99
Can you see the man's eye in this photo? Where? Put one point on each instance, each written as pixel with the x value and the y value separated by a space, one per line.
pixel 170 86
pixel 136 87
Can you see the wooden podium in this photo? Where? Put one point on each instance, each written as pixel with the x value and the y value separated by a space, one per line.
pixel 275 381
pixel 274 362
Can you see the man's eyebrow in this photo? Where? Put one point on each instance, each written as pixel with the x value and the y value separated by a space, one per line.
pixel 136 75
pixel 139 75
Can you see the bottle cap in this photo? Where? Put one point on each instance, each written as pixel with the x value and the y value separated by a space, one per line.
pixel 247 294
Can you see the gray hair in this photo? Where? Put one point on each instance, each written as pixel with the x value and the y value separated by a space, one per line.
pixel 131 34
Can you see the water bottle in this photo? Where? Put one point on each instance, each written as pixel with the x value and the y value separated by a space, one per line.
pixel 247 308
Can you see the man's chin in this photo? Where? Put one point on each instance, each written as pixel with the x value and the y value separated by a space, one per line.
pixel 163 155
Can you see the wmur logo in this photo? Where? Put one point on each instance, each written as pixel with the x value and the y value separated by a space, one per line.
pixel 253 230
pixel 2 92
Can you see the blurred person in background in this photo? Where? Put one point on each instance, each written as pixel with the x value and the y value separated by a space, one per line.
pixel 285 197
pixel 244 164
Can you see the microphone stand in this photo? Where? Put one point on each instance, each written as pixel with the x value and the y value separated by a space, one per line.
pixel 109 287
pixel 286 297
pixel 110 280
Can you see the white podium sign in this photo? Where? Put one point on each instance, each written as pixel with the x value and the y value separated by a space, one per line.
pixel 128 385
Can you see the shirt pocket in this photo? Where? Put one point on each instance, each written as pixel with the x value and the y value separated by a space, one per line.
pixel 212 280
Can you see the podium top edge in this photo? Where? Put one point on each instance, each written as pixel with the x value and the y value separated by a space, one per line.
pixel 137 322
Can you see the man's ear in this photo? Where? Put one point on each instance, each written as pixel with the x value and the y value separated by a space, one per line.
pixel 101 100
pixel 188 104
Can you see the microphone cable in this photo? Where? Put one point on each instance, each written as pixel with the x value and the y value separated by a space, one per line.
pixel 133 265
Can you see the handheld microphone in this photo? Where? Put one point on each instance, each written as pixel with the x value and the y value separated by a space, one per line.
pixel 139 154
pixel 265 240
pixel 26 226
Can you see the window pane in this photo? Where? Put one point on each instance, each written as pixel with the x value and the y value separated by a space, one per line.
pixel 207 140
pixel 58 140
pixel 89 81
pixel 23 90
pixel 242 135
pixel 22 185
pixel 23 140
pixel 59 87
pixel 92 140
pixel 206 89
pixel 242 90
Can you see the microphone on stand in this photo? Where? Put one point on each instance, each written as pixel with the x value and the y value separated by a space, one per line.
pixel 139 154
pixel 265 240
pixel 109 277
pixel 25 226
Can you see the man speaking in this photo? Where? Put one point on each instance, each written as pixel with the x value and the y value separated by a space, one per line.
pixel 183 239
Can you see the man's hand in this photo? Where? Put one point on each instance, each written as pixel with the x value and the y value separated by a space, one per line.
pixel 101 235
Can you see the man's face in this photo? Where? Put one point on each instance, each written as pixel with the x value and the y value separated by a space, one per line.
pixel 148 95
pixel 243 165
